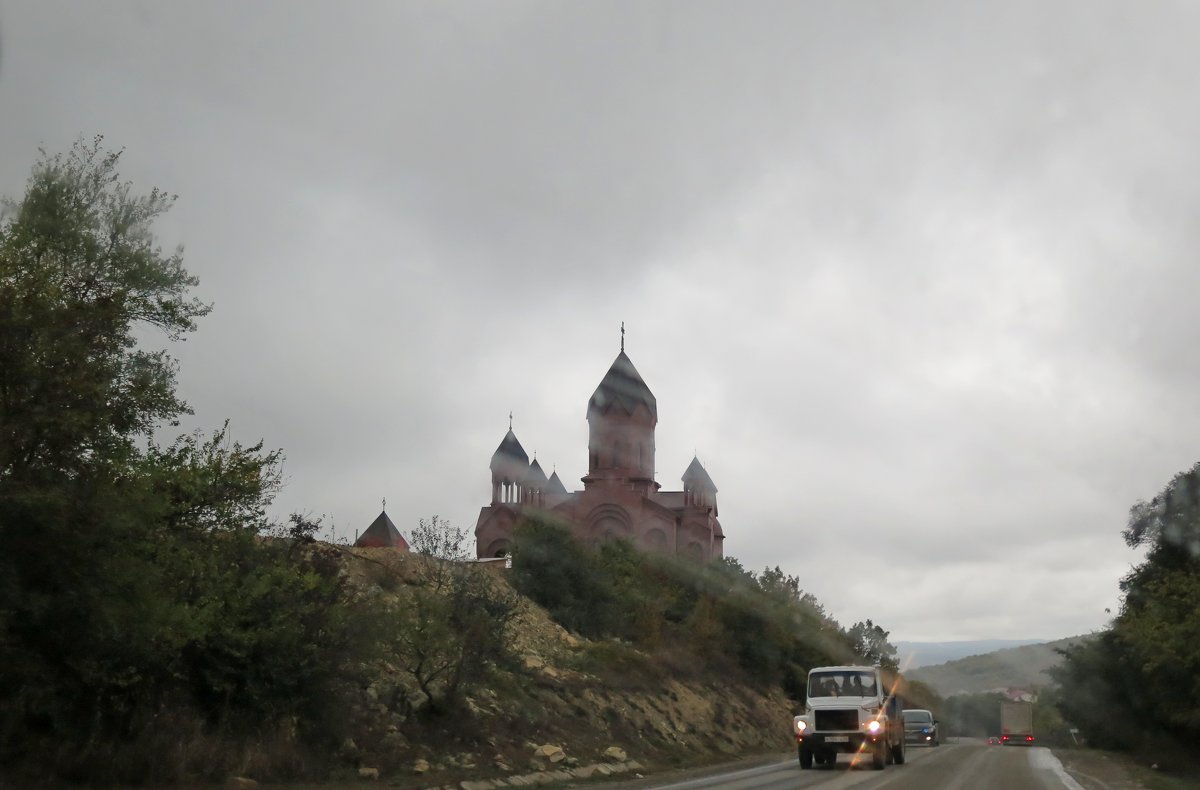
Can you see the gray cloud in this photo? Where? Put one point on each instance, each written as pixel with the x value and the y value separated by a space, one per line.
pixel 913 280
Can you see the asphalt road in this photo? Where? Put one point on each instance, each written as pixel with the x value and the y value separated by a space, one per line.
pixel 963 765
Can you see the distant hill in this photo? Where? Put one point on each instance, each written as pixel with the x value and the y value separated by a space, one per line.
pixel 1023 667
pixel 923 654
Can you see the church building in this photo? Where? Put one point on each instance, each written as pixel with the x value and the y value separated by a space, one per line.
pixel 620 498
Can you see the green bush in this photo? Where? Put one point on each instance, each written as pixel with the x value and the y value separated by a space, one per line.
pixel 559 573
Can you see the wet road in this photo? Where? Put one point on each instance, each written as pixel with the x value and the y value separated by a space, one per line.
pixel 963 765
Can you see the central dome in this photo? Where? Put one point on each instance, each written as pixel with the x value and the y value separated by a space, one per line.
pixel 623 386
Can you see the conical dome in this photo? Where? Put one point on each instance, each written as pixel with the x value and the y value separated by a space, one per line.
pixel 509 462
pixel 623 386
pixel 510 450
pixel 554 485
pixel 382 534
pixel 535 478
pixel 696 473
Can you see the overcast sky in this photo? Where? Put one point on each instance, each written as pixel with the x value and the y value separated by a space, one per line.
pixel 916 280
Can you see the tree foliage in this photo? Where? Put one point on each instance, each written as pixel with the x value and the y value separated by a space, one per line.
pixel 79 270
pixel 1137 685
pixel 556 571
pixel 871 642
pixel 133 575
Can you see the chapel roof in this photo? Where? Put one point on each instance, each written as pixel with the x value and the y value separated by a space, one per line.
pixel 382 534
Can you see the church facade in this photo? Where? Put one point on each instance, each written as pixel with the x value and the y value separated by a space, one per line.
pixel 620 498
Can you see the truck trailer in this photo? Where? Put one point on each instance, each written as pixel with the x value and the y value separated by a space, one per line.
pixel 1016 724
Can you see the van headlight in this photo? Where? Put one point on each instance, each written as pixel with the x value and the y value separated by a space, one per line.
pixel 873 726
pixel 801 725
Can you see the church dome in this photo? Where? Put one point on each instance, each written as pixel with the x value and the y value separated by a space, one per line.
pixel 623 386
pixel 510 450
pixel 510 461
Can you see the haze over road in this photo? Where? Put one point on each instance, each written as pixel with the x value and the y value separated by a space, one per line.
pixel 967 764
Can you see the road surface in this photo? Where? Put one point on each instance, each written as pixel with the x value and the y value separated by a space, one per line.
pixel 963 765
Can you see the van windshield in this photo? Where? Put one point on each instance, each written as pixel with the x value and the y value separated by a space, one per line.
pixel 842 684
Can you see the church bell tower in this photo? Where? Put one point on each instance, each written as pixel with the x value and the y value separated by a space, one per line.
pixel 621 415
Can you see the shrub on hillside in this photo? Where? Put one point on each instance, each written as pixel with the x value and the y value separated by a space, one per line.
pixel 448 627
pixel 559 573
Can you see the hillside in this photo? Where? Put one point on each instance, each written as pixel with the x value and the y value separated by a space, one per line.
pixel 922 654
pixel 567 705
pixel 1025 666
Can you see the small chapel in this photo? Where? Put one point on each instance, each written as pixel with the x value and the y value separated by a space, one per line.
pixel 620 498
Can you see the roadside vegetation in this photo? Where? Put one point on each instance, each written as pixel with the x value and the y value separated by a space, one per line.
pixel 716 617
pixel 146 626
pixel 1135 687
pixel 157 626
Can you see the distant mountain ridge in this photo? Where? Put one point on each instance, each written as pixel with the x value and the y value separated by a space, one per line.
pixel 921 654
pixel 1021 667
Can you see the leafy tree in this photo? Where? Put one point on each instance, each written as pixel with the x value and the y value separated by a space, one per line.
pixel 1136 685
pixel 559 573
pixel 79 271
pixel 775 583
pixel 870 642
pixel 133 578
pixel 1099 693
pixel 1157 628
pixel 438 538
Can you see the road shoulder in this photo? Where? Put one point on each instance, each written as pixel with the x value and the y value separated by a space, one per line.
pixel 1100 770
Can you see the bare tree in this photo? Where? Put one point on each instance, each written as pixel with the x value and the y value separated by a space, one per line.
pixel 452 626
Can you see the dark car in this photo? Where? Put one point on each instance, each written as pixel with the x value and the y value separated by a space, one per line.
pixel 920 727
pixel 993 741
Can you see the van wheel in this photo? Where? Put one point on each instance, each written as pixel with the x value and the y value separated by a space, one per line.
pixel 879 756
pixel 805 757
